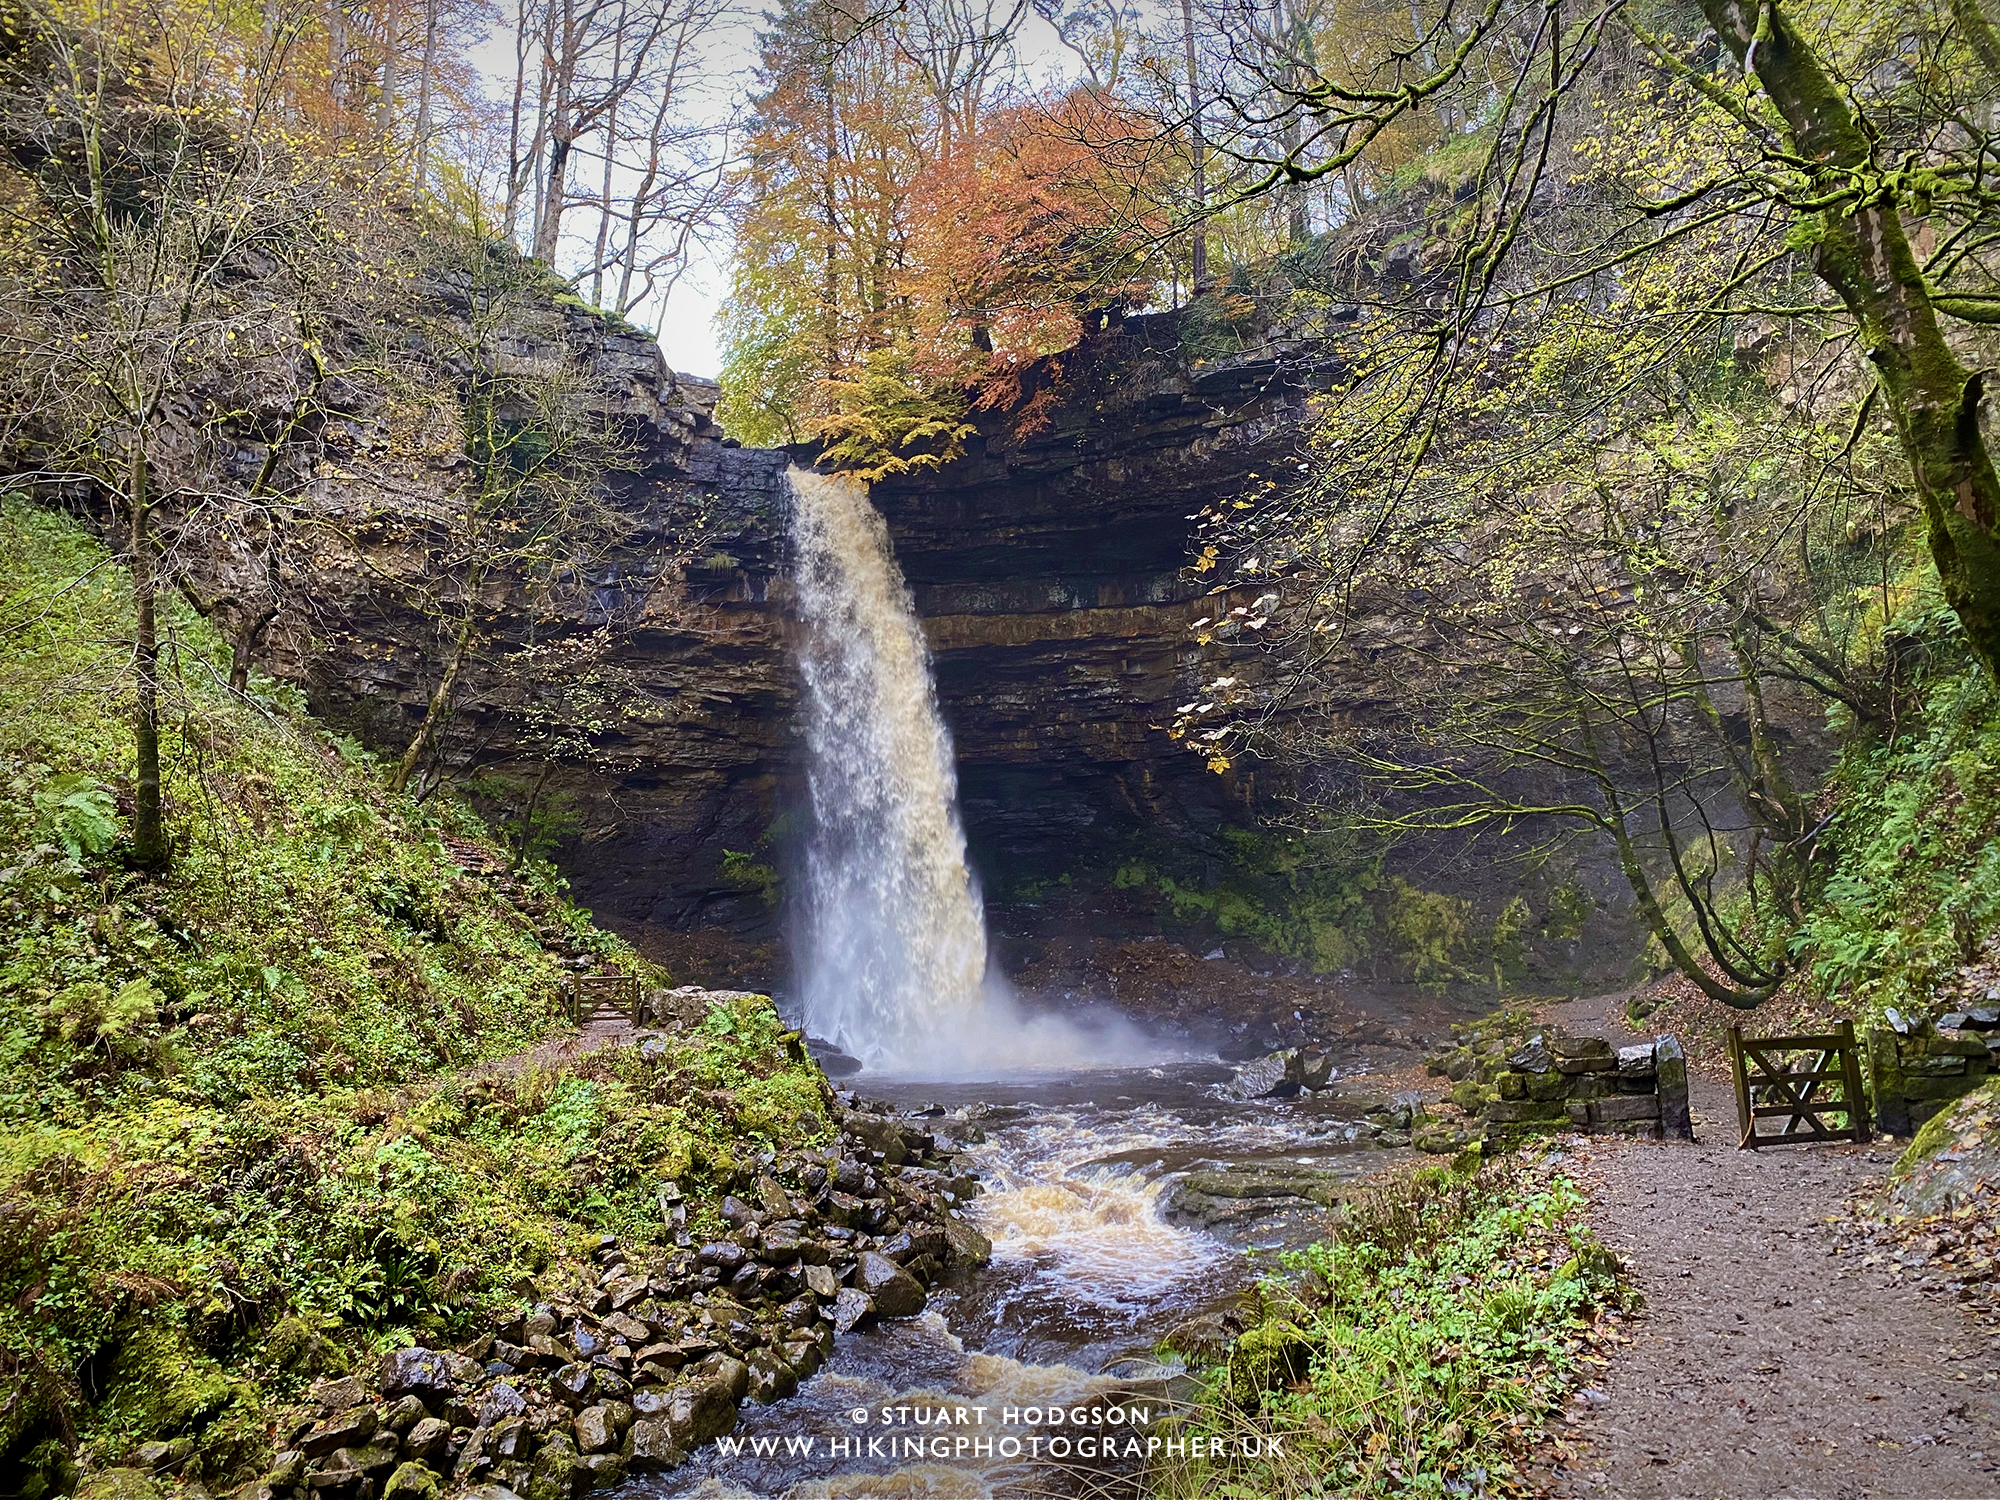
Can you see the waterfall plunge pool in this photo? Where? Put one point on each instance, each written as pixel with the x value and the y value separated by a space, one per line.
pixel 1099 1192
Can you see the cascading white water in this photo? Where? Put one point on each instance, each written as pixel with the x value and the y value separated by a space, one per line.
pixel 894 940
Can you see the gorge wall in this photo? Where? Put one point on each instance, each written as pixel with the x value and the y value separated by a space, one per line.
pixel 1048 567
pixel 1051 571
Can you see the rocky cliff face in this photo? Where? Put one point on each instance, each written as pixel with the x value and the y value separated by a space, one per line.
pixel 1051 572
pixel 653 712
pixel 1048 566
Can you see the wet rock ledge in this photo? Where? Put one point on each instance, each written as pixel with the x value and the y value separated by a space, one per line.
pixel 652 1352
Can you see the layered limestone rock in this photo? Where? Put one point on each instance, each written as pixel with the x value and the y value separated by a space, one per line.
pixel 657 718
pixel 1049 567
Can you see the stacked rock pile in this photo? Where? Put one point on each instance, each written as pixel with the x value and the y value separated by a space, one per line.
pixel 652 1352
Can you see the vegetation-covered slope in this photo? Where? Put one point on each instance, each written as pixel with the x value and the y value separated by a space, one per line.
pixel 244 1131
pixel 1417 1352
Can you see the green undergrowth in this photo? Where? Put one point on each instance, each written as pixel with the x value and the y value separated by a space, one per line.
pixel 1904 907
pixel 1329 902
pixel 281 1108
pixel 1914 845
pixel 1415 1353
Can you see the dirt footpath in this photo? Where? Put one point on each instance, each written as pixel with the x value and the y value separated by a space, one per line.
pixel 1765 1365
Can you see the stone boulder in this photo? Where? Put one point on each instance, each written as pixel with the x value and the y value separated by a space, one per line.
pixel 734 1375
pixel 348 1429
pixel 556 1470
pixel 1273 1076
pixel 1316 1069
pixel 967 1245
pixel 423 1373
pixel 501 1403
pixel 650 1446
pixel 894 1291
pixel 602 1471
pixel 119 1484
pixel 725 1255
pixel 698 1411
pixel 832 1061
pixel 878 1133
pixel 849 1308
pixel 1582 1054
pixel 411 1481
pixel 771 1377
pixel 428 1441
pixel 1671 1072
pixel 335 1396
pixel 595 1431
pixel 1534 1057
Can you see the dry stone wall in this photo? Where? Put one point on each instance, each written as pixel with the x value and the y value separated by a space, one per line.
pixel 1546 1081
pixel 1916 1068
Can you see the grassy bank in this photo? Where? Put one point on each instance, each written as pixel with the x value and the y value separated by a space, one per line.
pixel 1414 1353
pixel 248 1134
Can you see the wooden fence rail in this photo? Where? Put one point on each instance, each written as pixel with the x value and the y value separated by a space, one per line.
pixel 594 993
pixel 1769 1087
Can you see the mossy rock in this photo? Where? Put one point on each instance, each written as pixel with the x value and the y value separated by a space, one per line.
pixel 28 1399
pixel 45 1471
pixel 294 1347
pixel 163 1388
pixel 1931 1138
pixel 119 1484
pixel 412 1481
pixel 1276 1352
pixel 1437 1138
pixel 1545 1088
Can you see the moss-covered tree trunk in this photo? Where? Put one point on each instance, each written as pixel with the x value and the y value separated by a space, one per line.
pixel 149 834
pixel 1865 256
pixel 439 703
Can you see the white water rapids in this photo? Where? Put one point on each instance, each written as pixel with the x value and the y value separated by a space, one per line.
pixel 893 955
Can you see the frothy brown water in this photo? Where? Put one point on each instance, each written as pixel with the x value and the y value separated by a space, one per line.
pixel 1090 1270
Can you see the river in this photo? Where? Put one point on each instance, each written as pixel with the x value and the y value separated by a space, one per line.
pixel 1103 1240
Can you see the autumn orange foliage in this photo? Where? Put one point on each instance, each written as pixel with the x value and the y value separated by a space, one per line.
pixel 899 267
pixel 1037 228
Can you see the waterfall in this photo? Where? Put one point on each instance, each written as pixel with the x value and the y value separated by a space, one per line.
pixel 894 951
pixel 893 948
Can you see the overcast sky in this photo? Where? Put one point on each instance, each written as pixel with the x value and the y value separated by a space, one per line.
pixel 687 331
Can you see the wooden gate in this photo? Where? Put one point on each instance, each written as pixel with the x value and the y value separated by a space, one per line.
pixel 596 993
pixel 1771 1086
